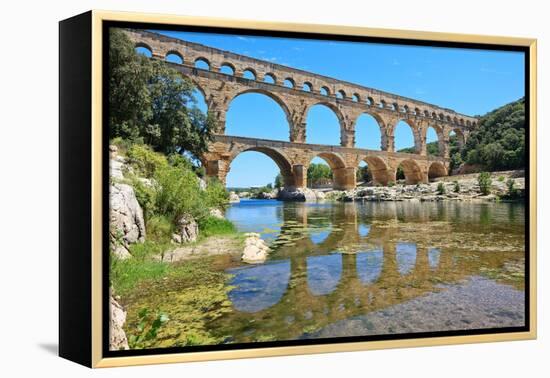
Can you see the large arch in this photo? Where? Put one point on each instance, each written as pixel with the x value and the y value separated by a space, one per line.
pixel 264 128
pixel 412 171
pixel 282 161
pixel 339 119
pixel 437 169
pixel 365 124
pixel 402 139
pixel 439 133
pixel 379 170
pixel 340 179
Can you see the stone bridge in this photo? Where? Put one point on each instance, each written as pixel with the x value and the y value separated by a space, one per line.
pixel 226 75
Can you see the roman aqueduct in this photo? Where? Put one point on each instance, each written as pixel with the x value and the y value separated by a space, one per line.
pixel 296 91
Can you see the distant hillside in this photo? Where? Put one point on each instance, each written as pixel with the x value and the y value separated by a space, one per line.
pixel 499 141
pixel 497 144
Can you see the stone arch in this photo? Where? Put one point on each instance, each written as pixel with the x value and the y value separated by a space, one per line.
pixel 340 173
pixel 379 169
pixel 252 71
pixel 270 95
pixel 307 87
pixel 356 97
pixel 144 46
pixel 460 137
pixel 282 161
pixel 174 53
pixel 202 59
pixel 270 78
pixel 231 66
pixel 417 138
pixel 380 123
pixel 324 91
pixel 337 113
pixel 437 169
pixel 412 171
pixel 439 131
pixel 289 82
pixel 341 94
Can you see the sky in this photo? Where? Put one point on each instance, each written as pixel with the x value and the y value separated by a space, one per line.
pixel 469 81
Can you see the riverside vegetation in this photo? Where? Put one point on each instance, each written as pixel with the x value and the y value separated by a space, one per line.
pixel 172 250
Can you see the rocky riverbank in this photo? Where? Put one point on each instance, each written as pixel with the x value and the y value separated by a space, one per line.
pixel 454 188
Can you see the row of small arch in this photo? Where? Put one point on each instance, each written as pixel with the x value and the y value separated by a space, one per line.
pixel 250 73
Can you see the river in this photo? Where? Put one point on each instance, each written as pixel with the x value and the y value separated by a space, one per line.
pixel 350 269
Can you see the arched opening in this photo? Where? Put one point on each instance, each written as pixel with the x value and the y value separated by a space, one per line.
pixel 324 91
pixel 323 273
pixel 326 170
pixel 202 64
pixel 356 98
pixel 227 69
pixel 409 171
pixel 370 101
pixel 174 57
pixel 269 78
pixel 437 169
pixel 143 49
pixel 289 82
pixel 368 133
pixel 456 139
pixel 322 125
pixel 257 115
pixel 378 172
pixel 264 163
pixel 341 94
pixel 432 142
pixel 249 74
pixel 363 176
pixel 307 87
pixel 199 100
pixel 404 138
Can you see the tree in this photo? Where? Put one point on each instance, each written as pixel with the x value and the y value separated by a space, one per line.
pixel 278 181
pixel 484 181
pixel 319 174
pixel 152 103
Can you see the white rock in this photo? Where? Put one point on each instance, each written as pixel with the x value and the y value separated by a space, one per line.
pixel 255 250
pixel 188 229
pixel 234 198
pixel 126 216
pixel 115 169
pixel 216 213
pixel 117 336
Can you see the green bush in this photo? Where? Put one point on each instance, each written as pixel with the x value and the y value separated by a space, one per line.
pixel 500 178
pixel 159 229
pixel 440 188
pixel 456 187
pixel 145 161
pixel 512 191
pixel 145 194
pixel 484 181
pixel 209 226
pixel 215 195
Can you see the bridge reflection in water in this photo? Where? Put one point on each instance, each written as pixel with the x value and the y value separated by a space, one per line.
pixel 336 262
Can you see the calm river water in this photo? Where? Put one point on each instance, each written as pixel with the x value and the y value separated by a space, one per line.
pixel 345 269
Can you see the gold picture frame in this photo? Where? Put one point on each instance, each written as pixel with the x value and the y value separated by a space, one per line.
pixel 90 268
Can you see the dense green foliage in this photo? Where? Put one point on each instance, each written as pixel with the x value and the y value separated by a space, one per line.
pixel 216 226
pixel 498 143
pixel 484 181
pixel 278 183
pixel 173 188
pixel 319 174
pixel 152 103
pixel 362 174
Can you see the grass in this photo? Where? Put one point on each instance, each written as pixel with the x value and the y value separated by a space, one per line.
pixel 211 226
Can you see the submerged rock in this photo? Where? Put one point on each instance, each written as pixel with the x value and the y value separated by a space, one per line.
pixel 255 250
pixel 117 318
pixel 126 216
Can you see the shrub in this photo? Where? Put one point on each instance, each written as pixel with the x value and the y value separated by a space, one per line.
pixel 512 191
pixel 391 183
pixel 215 195
pixel 209 226
pixel 160 229
pixel 484 181
pixel 500 178
pixel 456 187
pixel 145 161
pixel 145 194
pixel 440 188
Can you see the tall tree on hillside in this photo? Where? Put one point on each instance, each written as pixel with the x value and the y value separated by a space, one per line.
pixel 151 102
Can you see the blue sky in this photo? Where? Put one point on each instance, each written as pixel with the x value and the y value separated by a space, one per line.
pixel 472 82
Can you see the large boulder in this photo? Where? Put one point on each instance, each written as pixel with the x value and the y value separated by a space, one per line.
pixel 126 216
pixel 299 194
pixel 187 230
pixel 216 213
pixel 255 249
pixel 234 198
pixel 117 318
